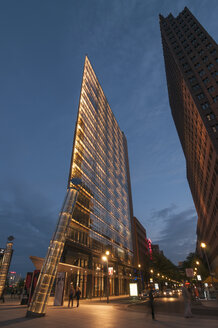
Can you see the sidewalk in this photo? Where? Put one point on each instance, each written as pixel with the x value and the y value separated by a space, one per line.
pixel 210 303
pixel 97 314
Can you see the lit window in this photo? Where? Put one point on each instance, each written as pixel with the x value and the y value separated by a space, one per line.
pixel 210 116
pixel 215 128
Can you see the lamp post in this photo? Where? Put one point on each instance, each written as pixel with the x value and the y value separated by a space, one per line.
pixel 105 259
pixel 203 245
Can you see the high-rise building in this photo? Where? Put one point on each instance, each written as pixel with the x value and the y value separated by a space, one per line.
pixel 191 62
pixel 101 220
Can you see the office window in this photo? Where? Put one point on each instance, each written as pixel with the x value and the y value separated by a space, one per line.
pixel 196 87
pixel 197 65
pixel 209 45
pixel 185 65
pixel 201 52
pixel 188 71
pixel 209 66
pixel 215 128
pixel 210 116
pixel 202 72
pixel 192 79
pixel 213 52
pixel 193 58
pixel 205 105
pixel 200 96
pixel 206 80
pixel 205 58
pixel 215 99
pixel 211 89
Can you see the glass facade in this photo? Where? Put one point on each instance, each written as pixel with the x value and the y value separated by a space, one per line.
pixel 102 216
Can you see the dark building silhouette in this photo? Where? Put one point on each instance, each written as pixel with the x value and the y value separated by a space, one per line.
pixel 191 62
pixel 140 245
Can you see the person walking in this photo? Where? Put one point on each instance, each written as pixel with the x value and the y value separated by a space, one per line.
pixel 71 295
pixel 78 293
pixel 151 301
pixel 3 296
pixel 187 302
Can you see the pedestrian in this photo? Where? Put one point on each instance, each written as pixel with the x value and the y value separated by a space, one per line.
pixel 187 302
pixel 12 292
pixel 3 296
pixel 78 293
pixel 71 295
pixel 151 301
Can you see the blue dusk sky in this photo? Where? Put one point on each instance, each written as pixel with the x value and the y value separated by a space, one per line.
pixel 43 48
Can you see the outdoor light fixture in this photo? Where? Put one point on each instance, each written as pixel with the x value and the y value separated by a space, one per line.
pixel 203 245
pixel 107 253
pixel 104 258
pixel 151 271
pixel 139 265
pixel 197 262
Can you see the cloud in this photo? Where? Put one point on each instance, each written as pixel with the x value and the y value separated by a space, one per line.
pixel 177 231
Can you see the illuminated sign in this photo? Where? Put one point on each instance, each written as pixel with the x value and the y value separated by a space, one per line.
pixel 133 289
pixel 110 271
pixel 156 286
pixel 199 277
pixel 149 247
pixel 189 272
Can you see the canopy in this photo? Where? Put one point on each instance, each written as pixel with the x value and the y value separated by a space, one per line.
pixel 209 280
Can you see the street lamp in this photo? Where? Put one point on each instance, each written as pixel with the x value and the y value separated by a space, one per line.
pixel 197 262
pixel 203 245
pixel 105 259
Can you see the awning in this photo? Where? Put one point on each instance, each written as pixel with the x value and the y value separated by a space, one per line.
pixel 209 280
pixel 62 267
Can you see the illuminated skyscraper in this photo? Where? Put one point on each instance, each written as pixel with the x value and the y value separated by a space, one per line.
pixel 102 218
pixel 191 57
